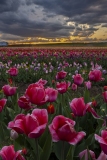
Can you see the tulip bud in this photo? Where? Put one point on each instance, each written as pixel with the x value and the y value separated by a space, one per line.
pixel 73 116
pixel 74 87
pixel 24 151
pixel 94 103
pixel 10 81
pixel 13 134
pixel 105 88
pixel 53 81
pixel 51 109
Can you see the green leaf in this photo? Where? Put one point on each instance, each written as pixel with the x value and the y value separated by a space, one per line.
pixel 17 145
pixel 11 113
pixel 33 145
pixel 80 148
pixel 47 148
pixel 70 153
pixel 90 140
pixel 58 149
pixel 21 140
pixel 83 158
pixel 4 134
pixel 86 96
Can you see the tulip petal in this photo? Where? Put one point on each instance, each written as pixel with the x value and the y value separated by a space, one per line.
pixel 37 132
pixel 41 115
pixel 54 135
pixel 18 126
pixel 30 123
pixel 93 112
pixel 104 134
pixel 3 102
pixel 77 138
pixel 102 156
pixel 100 139
pixel 7 152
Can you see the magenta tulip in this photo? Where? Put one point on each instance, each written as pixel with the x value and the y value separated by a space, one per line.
pixel 102 140
pixel 62 128
pixel 105 96
pixel 78 79
pixel 62 87
pixel 32 125
pixel 2 104
pixel 24 103
pixel 95 75
pixel 85 154
pixel 74 87
pixel 35 93
pixel 41 81
pixel 102 156
pixel 51 94
pixel 8 153
pixel 61 75
pixel 13 71
pixel 88 85
pixel 8 90
pixel 78 106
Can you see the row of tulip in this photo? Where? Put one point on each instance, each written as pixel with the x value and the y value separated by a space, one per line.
pixel 47 121
pixel 37 63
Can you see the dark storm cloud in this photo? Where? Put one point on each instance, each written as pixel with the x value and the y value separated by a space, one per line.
pixel 82 11
pixel 26 28
pixel 17 20
pixel 12 23
pixel 9 5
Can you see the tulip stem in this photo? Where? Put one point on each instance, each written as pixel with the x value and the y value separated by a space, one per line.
pixel 37 149
pixel 62 151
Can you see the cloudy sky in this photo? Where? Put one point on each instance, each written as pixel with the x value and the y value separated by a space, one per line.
pixel 53 20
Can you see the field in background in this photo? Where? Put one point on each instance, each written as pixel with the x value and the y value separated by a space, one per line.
pixel 62 45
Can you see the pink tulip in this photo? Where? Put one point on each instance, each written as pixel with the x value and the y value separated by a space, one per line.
pixel 88 85
pixel 78 79
pixel 8 90
pixel 95 75
pixel 13 71
pixel 35 93
pixel 85 154
pixel 105 96
pixel 74 87
pixel 78 106
pixel 62 128
pixel 62 87
pixel 61 75
pixel 102 156
pixel 2 104
pixel 91 110
pixel 41 81
pixel 8 153
pixel 24 103
pixel 33 125
pixel 51 94
pixel 102 140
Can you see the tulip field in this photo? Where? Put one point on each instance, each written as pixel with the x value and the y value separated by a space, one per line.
pixel 53 104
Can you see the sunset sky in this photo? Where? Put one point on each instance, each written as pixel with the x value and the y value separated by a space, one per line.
pixel 53 21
